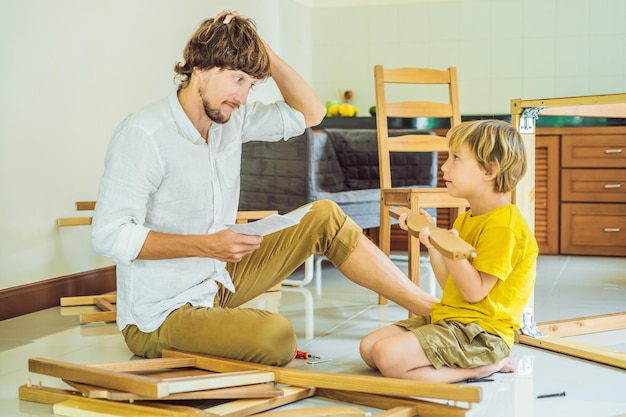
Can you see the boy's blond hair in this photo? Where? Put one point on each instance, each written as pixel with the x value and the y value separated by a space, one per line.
pixel 493 141
pixel 235 45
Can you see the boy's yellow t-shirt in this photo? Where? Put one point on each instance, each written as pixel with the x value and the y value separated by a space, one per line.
pixel 505 248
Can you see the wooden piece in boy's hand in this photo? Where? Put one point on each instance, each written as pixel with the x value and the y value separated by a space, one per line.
pixel 449 245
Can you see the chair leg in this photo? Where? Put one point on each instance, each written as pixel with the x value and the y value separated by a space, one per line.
pixel 414 248
pixel 414 262
pixel 309 266
pixel 384 238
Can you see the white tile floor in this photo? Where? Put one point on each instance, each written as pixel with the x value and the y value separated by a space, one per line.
pixel 331 318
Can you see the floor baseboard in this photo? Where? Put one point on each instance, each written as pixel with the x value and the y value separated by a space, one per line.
pixel 24 299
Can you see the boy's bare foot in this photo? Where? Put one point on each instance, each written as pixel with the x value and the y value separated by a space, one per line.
pixel 504 366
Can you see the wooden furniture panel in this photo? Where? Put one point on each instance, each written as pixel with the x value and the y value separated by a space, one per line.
pixel 593 229
pixel 597 185
pixel 593 192
pixel 547 194
pixel 594 151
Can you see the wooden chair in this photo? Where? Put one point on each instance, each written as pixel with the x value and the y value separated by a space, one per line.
pixel 412 198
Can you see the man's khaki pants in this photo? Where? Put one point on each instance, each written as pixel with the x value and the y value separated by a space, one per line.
pixel 250 334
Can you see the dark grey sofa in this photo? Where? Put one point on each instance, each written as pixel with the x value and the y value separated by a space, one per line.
pixel 336 164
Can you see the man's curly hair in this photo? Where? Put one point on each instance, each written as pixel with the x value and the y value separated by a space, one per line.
pixel 235 45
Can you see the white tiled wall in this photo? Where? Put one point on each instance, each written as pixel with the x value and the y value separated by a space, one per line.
pixel 503 49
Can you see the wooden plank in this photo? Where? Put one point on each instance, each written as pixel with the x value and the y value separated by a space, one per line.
pixel 450 246
pixel 518 105
pixel 577 349
pixel 220 380
pixel 616 110
pixel 85 205
pixel 398 412
pixel 361 383
pixel 246 216
pixel 84 300
pixel 246 391
pixel 335 411
pixel 105 316
pixel 146 364
pixel 103 304
pixel 51 396
pixel 247 407
pixel 73 221
pixel 584 325
pixel 45 395
pixel 138 384
pixel 84 407
pixel 424 408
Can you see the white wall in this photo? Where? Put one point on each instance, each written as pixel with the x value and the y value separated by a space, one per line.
pixel 503 49
pixel 70 71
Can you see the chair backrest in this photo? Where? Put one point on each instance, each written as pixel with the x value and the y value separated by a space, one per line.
pixel 412 108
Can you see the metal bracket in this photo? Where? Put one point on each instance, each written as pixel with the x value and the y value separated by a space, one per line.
pixel 527 122
pixel 529 327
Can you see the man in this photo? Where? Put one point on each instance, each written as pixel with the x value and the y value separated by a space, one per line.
pixel 171 183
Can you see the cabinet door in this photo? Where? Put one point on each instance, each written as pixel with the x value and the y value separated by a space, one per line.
pixel 594 151
pixel 593 229
pixel 547 194
pixel 593 185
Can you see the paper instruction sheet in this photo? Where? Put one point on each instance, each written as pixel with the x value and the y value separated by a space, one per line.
pixel 272 223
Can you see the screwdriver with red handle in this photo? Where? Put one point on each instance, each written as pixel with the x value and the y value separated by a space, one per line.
pixel 305 355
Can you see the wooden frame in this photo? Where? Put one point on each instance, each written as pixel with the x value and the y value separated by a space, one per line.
pixel 523 116
pixel 397 396
pixel 104 302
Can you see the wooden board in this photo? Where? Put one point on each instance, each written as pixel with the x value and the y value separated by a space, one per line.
pixel 577 349
pixel 84 300
pixel 422 408
pixel 245 391
pixel 146 365
pixel 398 412
pixel 449 245
pixel 82 408
pixel 584 325
pixel 247 407
pixel 237 408
pixel 317 412
pixel 46 395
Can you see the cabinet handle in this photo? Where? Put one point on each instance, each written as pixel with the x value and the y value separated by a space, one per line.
pixel 612 151
pixel 612 229
pixel 612 185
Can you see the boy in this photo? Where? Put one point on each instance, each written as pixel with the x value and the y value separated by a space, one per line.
pixel 469 333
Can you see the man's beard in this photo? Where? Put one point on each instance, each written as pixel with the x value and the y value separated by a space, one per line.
pixel 213 113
